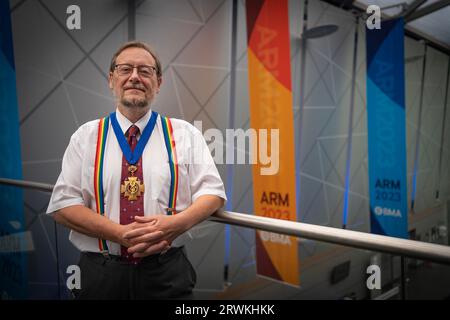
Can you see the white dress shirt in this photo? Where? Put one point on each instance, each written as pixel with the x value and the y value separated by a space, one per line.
pixel 75 184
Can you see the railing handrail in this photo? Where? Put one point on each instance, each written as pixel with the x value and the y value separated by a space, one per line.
pixel 362 240
pixel 27 184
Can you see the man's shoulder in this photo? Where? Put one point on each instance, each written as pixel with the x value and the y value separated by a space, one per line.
pixel 86 129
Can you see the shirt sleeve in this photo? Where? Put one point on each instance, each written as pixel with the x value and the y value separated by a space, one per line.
pixel 67 190
pixel 203 174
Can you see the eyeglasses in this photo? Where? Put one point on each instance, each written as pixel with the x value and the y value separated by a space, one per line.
pixel 125 69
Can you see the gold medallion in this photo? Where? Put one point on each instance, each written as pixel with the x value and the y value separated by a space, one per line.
pixel 132 187
pixel 132 169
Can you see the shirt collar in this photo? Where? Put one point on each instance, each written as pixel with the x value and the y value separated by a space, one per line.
pixel 124 123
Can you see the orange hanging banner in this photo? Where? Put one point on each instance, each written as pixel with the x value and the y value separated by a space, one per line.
pixel 271 110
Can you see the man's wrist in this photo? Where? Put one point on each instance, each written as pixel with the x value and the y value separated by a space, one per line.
pixel 182 221
pixel 117 233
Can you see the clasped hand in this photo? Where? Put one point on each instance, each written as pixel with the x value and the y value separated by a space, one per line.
pixel 150 234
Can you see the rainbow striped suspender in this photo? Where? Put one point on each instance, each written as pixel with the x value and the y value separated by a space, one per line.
pixel 98 174
pixel 98 170
pixel 173 164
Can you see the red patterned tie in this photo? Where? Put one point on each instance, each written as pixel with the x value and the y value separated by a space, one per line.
pixel 130 208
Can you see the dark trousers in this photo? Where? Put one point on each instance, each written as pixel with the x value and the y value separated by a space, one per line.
pixel 166 276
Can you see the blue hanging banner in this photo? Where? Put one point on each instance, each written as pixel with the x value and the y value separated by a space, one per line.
pixel 13 264
pixel 386 129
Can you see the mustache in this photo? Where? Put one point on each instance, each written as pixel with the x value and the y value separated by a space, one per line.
pixel 138 87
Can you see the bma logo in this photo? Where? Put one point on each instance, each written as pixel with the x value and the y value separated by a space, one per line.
pixel 387 212
pixel 275 237
pixel 374 281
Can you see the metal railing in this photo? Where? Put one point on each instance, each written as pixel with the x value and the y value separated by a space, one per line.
pixel 362 240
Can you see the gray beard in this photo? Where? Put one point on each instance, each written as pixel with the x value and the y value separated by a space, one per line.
pixel 134 103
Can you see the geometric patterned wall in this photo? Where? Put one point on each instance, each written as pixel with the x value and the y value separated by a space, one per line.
pixel 429 140
pixel 61 83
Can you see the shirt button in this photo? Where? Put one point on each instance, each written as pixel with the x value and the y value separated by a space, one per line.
pixel 124 209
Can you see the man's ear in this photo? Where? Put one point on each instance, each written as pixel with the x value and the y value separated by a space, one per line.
pixel 159 84
pixel 110 80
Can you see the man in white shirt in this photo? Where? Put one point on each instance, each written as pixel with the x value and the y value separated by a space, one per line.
pixel 131 188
